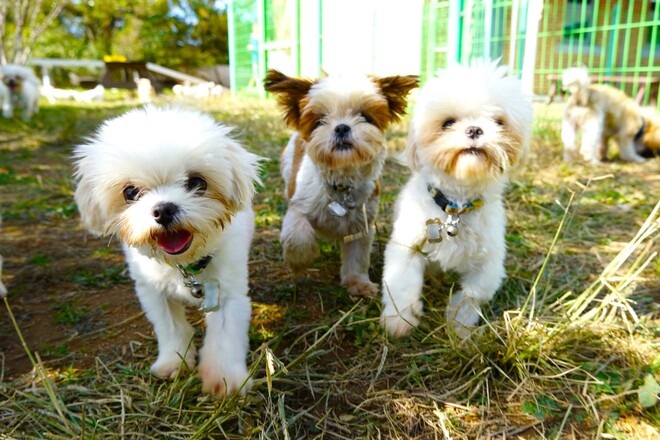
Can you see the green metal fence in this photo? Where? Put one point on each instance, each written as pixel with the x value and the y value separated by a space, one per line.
pixel 613 38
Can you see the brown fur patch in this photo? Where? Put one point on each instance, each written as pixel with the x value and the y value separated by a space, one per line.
pixel 376 192
pixel 298 154
pixel 290 92
pixel 395 89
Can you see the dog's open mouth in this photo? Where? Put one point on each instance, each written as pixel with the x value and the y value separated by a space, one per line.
pixel 174 242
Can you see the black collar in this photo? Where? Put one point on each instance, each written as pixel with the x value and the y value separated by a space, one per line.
pixel 199 265
pixel 438 196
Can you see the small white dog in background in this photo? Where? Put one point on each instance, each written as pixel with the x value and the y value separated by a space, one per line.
pixel 332 165
pixel 600 112
pixel 20 90
pixel 470 126
pixel 176 189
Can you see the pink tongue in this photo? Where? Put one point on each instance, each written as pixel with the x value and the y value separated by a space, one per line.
pixel 174 242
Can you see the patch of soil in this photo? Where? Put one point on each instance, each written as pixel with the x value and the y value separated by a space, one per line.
pixel 70 304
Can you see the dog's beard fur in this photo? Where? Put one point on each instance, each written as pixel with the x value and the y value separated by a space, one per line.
pixel 451 151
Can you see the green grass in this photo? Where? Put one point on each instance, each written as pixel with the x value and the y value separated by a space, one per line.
pixel 570 348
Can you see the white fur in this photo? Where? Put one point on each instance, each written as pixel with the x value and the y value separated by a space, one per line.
pixel 158 150
pixel 3 289
pixel 475 96
pixel 19 88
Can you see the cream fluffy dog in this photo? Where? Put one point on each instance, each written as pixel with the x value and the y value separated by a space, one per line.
pixel 601 113
pixel 470 126
pixel 20 89
pixel 332 165
pixel 176 189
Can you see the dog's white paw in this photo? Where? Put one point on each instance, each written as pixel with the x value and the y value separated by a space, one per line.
pixel 401 323
pixel 462 313
pixel 223 379
pixel 361 286
pixel 171 365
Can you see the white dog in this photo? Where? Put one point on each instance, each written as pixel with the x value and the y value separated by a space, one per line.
pixel 601 113
pixel 470 126
pixel 20 90
pixel 176 189
pixel 332 165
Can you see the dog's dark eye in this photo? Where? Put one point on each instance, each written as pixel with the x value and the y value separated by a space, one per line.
pixel 197 184
pixel 448 123
pixel 132 193
pixel 366 118
pixel 319 122
pixel 500 122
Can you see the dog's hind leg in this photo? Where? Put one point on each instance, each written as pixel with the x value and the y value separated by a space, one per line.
pixel 298 241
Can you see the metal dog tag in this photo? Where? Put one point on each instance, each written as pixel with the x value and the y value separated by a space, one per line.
pixel 337 210
pixel 433 231
pixel 211 295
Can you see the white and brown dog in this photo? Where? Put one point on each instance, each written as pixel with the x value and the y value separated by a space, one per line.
pixel 332 165
pixel 176 189
pixel 470 126
pixel 19 88
pixel 601 113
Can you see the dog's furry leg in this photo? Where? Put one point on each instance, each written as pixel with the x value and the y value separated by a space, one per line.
pixel 222 357
pixel 298 241
pixel 403 279
pixel 7 110
pixel 569 138
pixel 355 257
pixel 477 287
pixel 592 138
pixel 3 289
pixel 172 329
pixel 627 150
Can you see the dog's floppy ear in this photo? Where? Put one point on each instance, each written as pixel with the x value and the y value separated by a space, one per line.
pixel 396 89
pixel 90 210
pixel 409 154
pixel 290 92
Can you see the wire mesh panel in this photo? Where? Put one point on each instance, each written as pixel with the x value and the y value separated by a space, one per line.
pixel 245 39
pixel 615 39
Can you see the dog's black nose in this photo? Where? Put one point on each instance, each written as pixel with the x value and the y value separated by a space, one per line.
pixel 474 132
pixel 164 213
pixel 342 130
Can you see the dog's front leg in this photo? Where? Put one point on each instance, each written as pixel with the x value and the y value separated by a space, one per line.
pixel 7 110
pixel 222 364
pixel 172 329
pixel 355 257
pixel 403 279
pixel 298 241
pixel 592 140
pixel 627 150
pixel 569 138
pixel 477 287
